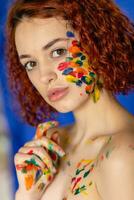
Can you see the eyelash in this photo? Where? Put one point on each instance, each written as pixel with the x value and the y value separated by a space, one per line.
pixel 31 67
pixel 51 54
pixel 65 51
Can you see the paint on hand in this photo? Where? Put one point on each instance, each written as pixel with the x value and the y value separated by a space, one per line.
pixel 41 186
pixel 51 146
pixel 38 175
pixel 29 181
pixel 28 165
pixel 43 127
pixel 31 166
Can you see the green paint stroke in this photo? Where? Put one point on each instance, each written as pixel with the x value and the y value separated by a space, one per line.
pixel 50 146
pixel 78 171
pixel 86 174
pixel 109 152
pixel 79 190
pixel 32 161
pixel 24 171
pixel 47 172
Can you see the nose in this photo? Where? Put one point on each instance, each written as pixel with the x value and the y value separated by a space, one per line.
pixel 46 78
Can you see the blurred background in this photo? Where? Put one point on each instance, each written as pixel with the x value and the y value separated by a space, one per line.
pixel 13 132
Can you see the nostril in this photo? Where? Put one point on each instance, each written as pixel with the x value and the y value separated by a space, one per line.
pixel 50 79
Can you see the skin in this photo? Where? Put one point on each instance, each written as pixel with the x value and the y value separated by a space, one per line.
pixel 95 122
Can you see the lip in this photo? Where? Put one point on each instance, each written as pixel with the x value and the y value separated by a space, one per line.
pixel 56 94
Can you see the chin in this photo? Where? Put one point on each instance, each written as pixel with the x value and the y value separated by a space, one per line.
pixel 69 105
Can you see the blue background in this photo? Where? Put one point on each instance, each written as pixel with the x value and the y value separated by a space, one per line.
pixel 19 132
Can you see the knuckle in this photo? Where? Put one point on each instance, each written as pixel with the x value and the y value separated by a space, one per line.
pixel 21 149
pixel 38 150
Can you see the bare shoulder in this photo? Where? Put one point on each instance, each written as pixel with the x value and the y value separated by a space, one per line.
pixel 119 148
pixel 115 177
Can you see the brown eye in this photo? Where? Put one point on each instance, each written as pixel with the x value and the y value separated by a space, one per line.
pixel 29 65
pixel 58 52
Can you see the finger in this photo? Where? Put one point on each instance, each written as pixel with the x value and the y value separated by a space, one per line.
pixel 27 162
pixel 54 135
pixel 44 181
pixel 43 127
pixel 48 144
pixel 41 153
pixel 27 168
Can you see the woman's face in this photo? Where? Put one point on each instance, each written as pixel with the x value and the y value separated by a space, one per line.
pixel 47 52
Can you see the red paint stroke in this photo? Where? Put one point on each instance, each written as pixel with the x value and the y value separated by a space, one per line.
pixel 76 182
pixel 73 179
pixel 49 178
pixel 101 157
pixel 20 166
pixel 73 73
pixel 80 75
pixel 63 66
pixel 30 152
pixel 54 156
pixel 75 43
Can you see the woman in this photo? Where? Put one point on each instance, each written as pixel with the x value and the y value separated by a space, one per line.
pixel 74 56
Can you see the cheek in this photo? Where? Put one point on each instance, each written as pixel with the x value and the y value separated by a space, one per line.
pixel 77 69
pixel 35 80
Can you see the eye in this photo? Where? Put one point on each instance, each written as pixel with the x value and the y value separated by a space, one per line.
pixel 58 52
pixel 29 65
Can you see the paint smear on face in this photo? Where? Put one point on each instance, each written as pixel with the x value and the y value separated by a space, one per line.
pixel 77 67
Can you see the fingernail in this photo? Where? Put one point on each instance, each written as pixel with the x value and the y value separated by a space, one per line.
pixel 61 153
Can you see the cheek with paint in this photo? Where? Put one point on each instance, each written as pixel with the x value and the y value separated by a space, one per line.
pixel 77 68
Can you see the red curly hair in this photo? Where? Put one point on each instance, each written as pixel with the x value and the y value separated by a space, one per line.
pixel 105 33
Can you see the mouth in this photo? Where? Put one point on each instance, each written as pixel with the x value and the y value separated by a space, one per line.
pixel 57 94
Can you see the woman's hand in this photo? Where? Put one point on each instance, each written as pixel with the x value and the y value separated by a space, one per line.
pixel 37 162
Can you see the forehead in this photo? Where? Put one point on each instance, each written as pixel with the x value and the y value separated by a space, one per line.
pixel 49 25
pixel 37 30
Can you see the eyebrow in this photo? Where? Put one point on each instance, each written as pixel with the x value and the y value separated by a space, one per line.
pixel 46 47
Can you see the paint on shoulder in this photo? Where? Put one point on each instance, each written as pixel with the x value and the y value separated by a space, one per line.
pixel 106 151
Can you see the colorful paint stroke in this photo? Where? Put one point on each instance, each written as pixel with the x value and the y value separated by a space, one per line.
pixel 33 172
pixel 43 127
pixel 83 169
pixel 78 69
pixel 42 131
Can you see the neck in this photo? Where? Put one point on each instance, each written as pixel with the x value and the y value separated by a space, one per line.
pixel 95 121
